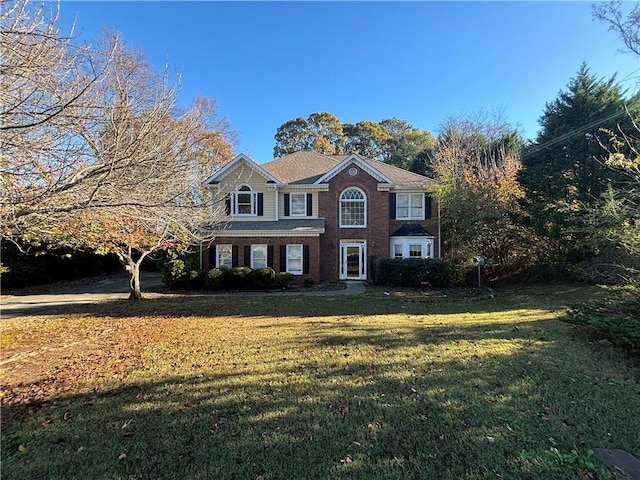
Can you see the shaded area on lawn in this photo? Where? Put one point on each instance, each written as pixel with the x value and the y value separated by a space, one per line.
pixel 382 390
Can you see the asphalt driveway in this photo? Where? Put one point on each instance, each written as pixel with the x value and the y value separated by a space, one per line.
pixel 117 287
pixel 113 287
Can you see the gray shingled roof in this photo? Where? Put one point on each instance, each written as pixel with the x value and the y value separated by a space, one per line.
pixel 301 225
pixel 307 167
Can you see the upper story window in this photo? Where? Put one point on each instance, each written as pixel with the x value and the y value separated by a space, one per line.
pixel 298 205
pixel 353 210
pixel 245 201
pixel 410 206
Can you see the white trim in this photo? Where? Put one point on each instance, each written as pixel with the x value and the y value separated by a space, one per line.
pixel 229 167
pixel 253 201
pixel 217 253
pixel 427 244
pixel 304 204
pixel 357 160
pixel 409 206
pixel 364 201
pixel 362 259
pixel 296 272
pixel 266 254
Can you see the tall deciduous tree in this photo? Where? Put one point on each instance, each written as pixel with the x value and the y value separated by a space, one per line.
pixel 561 176
pixel 321 132
pixel 476 161
pixel 118 168
pixel 404 143
pixel 392 140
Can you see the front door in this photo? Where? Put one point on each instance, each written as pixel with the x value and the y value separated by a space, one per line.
pixel 353 260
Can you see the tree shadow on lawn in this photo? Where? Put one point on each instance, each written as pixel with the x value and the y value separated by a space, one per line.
pixel 376 303
pixel 440 401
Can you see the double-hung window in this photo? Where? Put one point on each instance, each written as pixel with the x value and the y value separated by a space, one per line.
pixel 411 247
pixel 353 209
pixel 410 206
pixel 294 259
pixel 258 256
pixel 298 204
pixel 224 256
pixel 245 201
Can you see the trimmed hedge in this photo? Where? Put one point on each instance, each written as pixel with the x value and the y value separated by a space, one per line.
pixel 284 280
pixel 216 279
pixel 415 272
pixel 263 277
pixel 240 278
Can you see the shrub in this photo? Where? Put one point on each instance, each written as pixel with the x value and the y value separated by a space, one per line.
pixel 308 282
pixel 195 280
pixel 284 280
pixel 175 267
pixel 263 277
pixel 415 272
pixel 216 279
pixel 240 278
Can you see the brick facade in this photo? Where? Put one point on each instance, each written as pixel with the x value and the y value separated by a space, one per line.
pixel 313 243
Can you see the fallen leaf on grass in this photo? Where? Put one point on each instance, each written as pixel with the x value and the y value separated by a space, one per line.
pixel 122 456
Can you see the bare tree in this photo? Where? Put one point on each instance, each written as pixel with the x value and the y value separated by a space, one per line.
pixel 115 165
pixel 628 28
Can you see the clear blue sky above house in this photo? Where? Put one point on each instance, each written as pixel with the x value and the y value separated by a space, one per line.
pixel 268 62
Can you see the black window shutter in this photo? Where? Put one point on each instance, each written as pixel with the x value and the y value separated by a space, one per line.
pixel 305 259
pixel 234 256
pixel 212 257
pixel 427 207
pixel 270 256
pixel 392 206
pixel 309 204
pixel 247 256
pixel 287 199
pixel 283 258
pixel 227 205
pixel 260 204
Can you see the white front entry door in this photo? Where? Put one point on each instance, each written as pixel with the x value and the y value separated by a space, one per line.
pixel 353 255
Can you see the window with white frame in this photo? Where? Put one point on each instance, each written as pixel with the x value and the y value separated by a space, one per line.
pixel 245 201
pixel 415 250
pixel 258 256
pixel 298 205
pixel 294 259
pixel 410 206
pixel 224 256
pixel 411 247
pixel 353 211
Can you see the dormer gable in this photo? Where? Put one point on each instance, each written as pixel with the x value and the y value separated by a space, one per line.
pixel 351 161
pixel 218 176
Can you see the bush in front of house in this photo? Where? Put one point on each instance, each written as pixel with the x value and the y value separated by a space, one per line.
pixel 283 280
pixel 195 280
pixel 240 278
pixel 263 278
pixel 216 279
pixel 415 272
pixel 175 267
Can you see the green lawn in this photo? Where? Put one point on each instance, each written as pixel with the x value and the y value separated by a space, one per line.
pixel 272 387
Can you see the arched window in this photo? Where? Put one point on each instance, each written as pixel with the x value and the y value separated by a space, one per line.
pixel 245 203
pixel 353 208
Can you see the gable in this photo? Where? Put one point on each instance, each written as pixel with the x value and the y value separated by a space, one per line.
pixel 350 161
pixel 240 161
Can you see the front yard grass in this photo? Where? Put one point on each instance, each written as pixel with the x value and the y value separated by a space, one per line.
pixel 378 386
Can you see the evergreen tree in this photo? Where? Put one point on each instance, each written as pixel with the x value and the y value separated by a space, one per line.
pixel 561 174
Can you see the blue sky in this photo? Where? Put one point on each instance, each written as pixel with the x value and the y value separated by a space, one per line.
pixel 268 62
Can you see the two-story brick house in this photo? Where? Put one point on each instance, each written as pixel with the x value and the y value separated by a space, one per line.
pixel 324 217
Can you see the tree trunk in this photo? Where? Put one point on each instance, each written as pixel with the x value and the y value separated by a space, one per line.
pixel 135 293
